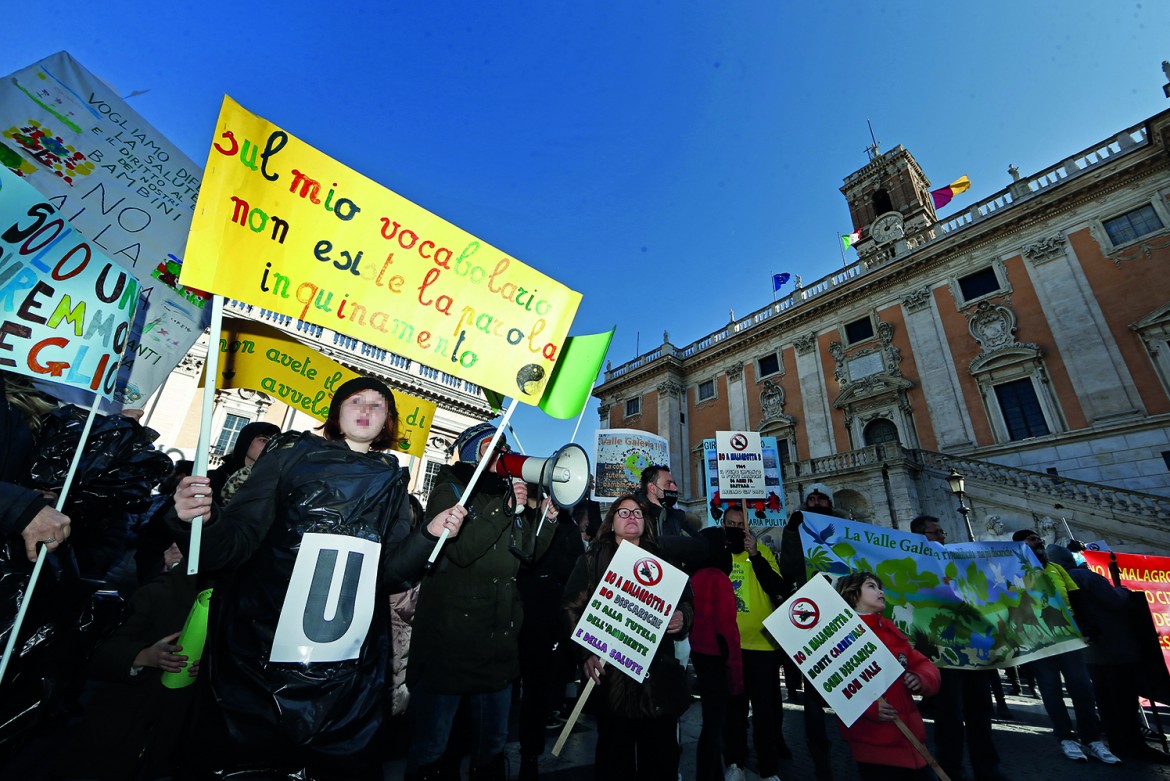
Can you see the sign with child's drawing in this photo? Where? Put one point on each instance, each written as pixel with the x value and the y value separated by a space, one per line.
pixel 834 649
pixel 627 616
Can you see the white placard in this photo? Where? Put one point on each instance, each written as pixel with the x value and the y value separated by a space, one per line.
pixel 627 616
pixel 834 649
pixel 330 600
pixel 740 465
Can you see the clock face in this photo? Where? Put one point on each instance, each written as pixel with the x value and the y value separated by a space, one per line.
pixel 887 228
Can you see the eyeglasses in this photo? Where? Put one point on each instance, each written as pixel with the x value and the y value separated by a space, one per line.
pixel 625 512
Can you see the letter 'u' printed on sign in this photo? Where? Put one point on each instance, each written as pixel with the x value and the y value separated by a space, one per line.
pixel 330 600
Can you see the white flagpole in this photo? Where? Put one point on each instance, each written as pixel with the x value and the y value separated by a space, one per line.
pixel 32 581
pixel 480 467
pixel 203 447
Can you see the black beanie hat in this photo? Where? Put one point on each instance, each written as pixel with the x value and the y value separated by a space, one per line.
pixel 356 385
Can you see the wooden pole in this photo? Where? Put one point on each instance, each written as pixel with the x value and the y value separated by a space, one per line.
pixel 576 714
pixel 917 744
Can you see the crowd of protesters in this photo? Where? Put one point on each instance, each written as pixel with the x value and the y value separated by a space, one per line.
pixel 298 681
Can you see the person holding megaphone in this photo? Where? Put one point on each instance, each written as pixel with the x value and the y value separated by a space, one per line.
pixel 466 627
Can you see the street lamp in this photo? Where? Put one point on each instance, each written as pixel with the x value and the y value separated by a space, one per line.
pixel 955 481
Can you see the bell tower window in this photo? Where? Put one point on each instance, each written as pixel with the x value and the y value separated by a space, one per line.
pixel 882 202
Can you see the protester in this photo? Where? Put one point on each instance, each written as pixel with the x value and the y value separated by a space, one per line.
pixel 637 723
pixel 237 465
pixel 880 749
pixel 755 576
pixel 465 635
pixel 312 716
pixel 715 653
pixel 1086 739
pixel 962 706
pixel 1104 615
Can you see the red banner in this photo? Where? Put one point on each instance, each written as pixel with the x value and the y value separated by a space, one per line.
pixel 1150 574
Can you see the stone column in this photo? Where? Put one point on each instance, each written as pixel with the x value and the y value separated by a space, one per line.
pixel 1098 373
pixel 736 398
pixel 938 375
pixel 817 421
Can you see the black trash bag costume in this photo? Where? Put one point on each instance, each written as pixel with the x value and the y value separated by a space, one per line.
pixel 119 468
pixel 291 715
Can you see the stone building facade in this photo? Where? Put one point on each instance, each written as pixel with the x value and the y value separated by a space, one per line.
pixel 1024 342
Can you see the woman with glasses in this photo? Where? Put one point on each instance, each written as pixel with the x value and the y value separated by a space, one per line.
pixel 637 723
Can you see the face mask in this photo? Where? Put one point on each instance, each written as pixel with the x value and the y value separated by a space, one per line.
pixel 734 538
pixel 669 498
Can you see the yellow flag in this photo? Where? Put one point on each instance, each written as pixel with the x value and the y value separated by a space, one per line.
pixel 283 226
pixel 260 357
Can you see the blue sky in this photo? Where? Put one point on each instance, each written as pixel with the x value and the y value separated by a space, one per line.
pixel 662 158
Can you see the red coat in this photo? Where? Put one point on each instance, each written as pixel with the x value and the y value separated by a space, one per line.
pixel 714 619
pixel 881 742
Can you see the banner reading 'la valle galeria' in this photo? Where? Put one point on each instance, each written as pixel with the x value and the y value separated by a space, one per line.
pixel 971 605
pixel 283 226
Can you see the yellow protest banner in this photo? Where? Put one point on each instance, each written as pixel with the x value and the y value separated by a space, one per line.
pixel 283 226
pixel 259 357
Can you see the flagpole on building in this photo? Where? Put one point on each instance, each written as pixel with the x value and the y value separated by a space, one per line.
pixel 841 247
pixel 204 444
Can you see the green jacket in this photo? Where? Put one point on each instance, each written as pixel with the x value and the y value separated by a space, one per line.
pixel 464 638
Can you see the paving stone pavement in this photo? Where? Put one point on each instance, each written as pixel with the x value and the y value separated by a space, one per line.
pixel 1027 749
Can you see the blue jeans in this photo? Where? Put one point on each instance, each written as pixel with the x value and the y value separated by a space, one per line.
pixel 1076 677
pixel 431 716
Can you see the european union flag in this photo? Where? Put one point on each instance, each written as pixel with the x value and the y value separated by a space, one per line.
pixel 778 281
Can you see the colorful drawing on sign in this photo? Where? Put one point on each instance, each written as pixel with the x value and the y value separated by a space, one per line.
pixel 834 649
pixel 626 619
pixel 620 455
pixel 123 186
pixel 260 357
pixel 320 242
pixel 1148 574
pixel 973 605
pixel 67 307
pixel 763 511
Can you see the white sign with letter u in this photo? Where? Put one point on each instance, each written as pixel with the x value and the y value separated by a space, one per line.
pixel 330 600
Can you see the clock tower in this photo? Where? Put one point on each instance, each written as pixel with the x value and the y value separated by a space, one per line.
pixel 889 202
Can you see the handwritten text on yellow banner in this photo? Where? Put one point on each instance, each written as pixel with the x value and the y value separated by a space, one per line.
pixel 263 358
pixel 285 227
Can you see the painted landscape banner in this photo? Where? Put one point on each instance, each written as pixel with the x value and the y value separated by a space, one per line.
pixel 768 510
pixel 125 187
pixel 973 605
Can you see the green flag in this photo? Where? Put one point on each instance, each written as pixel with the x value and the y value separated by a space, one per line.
pixel 572 379
pixel 494 400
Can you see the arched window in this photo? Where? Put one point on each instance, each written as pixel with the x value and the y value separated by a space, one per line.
pixel 882 203
pixel 880 430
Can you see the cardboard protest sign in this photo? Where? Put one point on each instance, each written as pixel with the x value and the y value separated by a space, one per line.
pixel 1149 574
pixel 834 649
pixel 627 617
pixel 312 239
pixel 67 307
pixel 260 357
pixel 123 186
pixel 975 605
pixel 768 509
pixel 620 455
pixel 739 464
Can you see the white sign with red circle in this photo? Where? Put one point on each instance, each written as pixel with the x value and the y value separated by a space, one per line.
pixel 740 459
